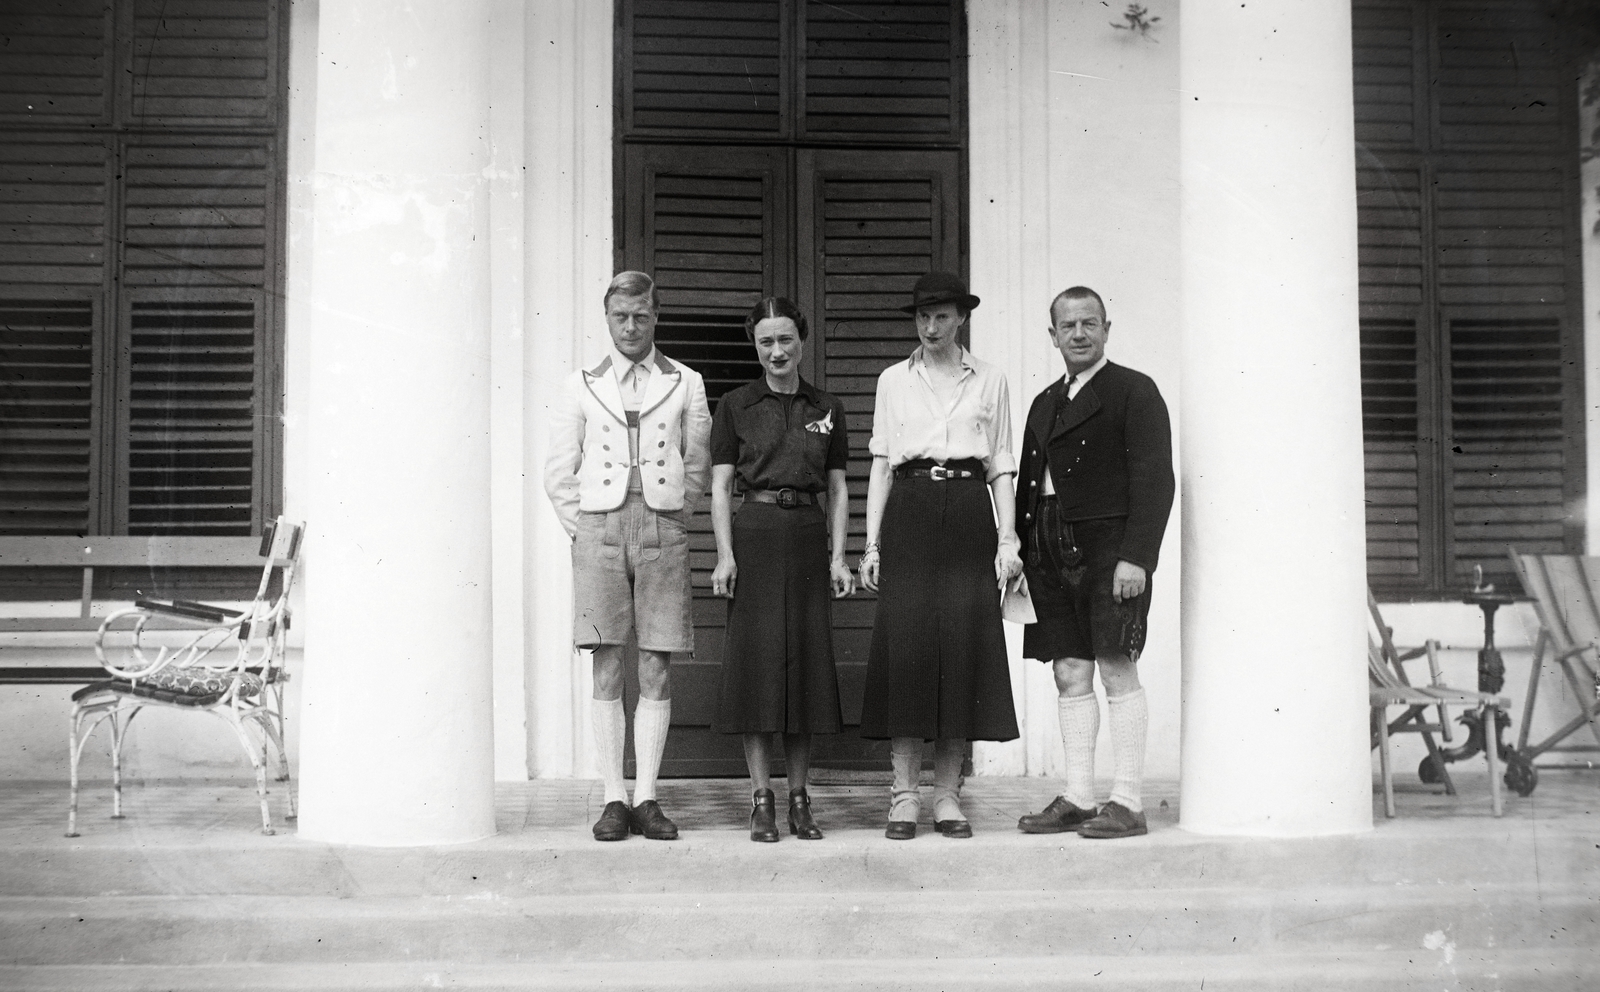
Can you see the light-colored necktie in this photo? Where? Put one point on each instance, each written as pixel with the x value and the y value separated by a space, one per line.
pixel 634 383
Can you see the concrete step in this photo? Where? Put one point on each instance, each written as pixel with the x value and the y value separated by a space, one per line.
pixel 1491 853
pixel 1438 965
pixel 195 930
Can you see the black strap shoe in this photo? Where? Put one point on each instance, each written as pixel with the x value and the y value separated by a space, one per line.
pixel 650 821
pixel 954 828
pixel 613 823
pixel 901 829
pixel 801 824
pixel 764 817
pixel 1059 817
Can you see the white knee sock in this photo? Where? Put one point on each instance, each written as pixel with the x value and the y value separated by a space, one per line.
pixel 1129 719
pixel 905 754
pixel 610 731
pixel 1080 726
pixel 650 721
pixel 948 754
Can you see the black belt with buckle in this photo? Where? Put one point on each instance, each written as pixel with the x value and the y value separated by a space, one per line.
pixel 966 468
pixel 786 498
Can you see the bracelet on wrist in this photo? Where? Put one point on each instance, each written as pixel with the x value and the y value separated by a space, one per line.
pixel 871 548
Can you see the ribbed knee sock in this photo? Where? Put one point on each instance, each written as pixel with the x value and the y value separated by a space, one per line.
pixel 610 733
pixel 1129 718
pixel 1080 726
pixel 651 717
pixel 905 754
pixel 948 754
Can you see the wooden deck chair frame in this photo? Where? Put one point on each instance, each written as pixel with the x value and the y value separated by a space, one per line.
pixel 1389 686
pixel 1566 599
pixel 239 654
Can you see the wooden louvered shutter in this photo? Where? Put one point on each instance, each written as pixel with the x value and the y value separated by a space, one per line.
pixel 871 223
pixel 56 65
pixel 53 266
pixel 140 235
pixel 203 62
pixel 1469 220
pixel 884 69
pixel 712 225
pixel 708 69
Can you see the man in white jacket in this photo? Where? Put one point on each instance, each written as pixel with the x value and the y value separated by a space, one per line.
pixel 629 456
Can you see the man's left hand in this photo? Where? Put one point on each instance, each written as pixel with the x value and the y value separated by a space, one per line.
pixel 1128 582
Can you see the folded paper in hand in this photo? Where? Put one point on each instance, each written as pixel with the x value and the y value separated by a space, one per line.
pixel 1016 604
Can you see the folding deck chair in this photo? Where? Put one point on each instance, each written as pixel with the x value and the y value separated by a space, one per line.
pixel 228 663
pixel 1566 598
pixel 1390 686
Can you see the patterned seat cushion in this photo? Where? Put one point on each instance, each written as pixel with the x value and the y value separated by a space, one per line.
pixel 200 682
pixel 180 687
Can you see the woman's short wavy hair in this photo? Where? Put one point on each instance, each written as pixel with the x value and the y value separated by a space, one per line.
pixel 775 306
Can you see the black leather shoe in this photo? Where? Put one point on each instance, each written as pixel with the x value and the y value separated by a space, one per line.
pixel 800 823
pixel 1114 820
pixel 650 821
pixel 613 822
pixel 764 817
pixel 954 828
pixel 901 830
pixel 1059 817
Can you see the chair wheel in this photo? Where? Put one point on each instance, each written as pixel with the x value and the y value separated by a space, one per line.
pixel 1429 771
pixel 1521 777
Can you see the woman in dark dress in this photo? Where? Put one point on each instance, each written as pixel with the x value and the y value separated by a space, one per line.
pixel 784 443
pixel 941 545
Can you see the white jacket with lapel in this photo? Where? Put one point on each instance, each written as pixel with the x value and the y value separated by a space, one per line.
pixel 587 467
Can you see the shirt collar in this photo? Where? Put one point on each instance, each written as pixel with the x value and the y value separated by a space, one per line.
pixel 917 358
pixel 1088 373
pixel 620 363
pixel 762 390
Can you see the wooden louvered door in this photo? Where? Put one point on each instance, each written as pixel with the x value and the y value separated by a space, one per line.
pixel 140 283
pixel 712 225
pixel 869 223
pixel 1470 290
pixel 796 148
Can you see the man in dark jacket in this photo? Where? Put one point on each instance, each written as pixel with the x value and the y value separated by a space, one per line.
pixel 1093 495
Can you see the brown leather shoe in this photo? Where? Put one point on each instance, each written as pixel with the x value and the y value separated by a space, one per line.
pixel 613 822
pixel 650 821
pixel 1114 820
pixel 1057 818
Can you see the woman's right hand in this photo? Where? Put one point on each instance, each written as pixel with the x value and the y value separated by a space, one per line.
pixel 723 576
pixel 869 570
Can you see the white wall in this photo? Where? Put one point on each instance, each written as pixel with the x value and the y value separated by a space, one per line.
pixel 1074 163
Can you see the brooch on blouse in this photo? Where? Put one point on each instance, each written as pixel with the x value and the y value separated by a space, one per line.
pixel 823 426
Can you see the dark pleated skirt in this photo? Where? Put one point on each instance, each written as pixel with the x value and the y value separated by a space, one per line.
pixel 938 665
pixel 777 660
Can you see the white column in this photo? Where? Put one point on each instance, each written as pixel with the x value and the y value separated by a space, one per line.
pixel 1275 700
pixel 397 740
pixel 567 221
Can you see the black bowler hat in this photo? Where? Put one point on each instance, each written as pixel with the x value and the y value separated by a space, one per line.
pixel 940 287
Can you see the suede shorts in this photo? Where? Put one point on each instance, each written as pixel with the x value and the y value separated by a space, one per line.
pixel 1077 617
pixel 630 573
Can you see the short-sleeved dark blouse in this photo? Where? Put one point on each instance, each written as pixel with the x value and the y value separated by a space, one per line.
pixel 779 441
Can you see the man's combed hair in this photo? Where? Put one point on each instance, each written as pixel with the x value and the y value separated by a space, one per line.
pixel 775 306
pixel 632 284
pixel 1077 293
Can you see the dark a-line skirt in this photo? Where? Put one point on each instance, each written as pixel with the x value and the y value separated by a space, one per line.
pixel 938 665
pixel 777 660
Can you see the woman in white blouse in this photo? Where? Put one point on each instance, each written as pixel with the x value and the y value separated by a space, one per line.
pixel 941 542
